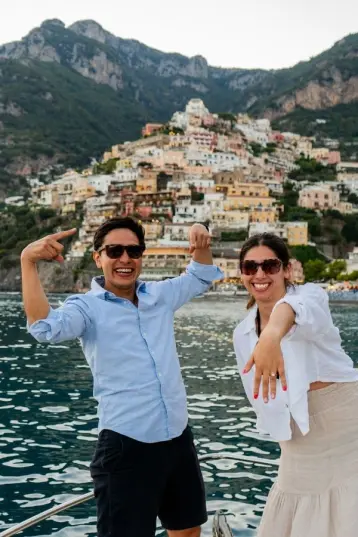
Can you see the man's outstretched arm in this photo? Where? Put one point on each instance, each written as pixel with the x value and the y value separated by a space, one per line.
pixel 48 248
pixel 199 274
pixel 44 323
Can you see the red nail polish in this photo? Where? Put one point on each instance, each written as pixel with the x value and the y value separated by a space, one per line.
pixel 256 395
pixel 244 371
pixel 284 388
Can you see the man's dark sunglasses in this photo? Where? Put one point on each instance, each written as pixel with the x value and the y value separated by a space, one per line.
pixel 269 266
pixel 115 251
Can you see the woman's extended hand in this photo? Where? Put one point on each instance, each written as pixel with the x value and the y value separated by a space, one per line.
pixel 268 360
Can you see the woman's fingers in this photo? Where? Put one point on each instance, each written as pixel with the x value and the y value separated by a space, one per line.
pixel 273 377
pixel 265 386
pixel 249 365
pixel 257 382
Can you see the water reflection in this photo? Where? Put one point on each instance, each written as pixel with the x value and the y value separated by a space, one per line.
pixel 48 419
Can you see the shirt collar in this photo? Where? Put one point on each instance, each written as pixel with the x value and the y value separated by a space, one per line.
pixel 98 290
pixel 249 323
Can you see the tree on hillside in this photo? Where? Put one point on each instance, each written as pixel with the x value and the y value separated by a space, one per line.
pixel 106 168
pixel 306 253
pixel 350 228
pixel 335 268
pixel 312 170
pixel 353 198
pixel 314 270
pixel 352 276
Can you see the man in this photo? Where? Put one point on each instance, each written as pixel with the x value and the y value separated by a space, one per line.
pixel 145 464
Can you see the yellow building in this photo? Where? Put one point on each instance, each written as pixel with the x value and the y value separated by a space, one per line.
pixel 235 202
pixel 124 163
pixel 248 189
pixel 263 214
pixel 226 178
pixel 147 181
pixel 228 262
pixel 297 233
pixel 153 230
pixel 230 219
pixel 46 195
pixel 164 262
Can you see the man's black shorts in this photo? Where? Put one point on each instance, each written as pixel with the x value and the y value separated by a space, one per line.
pixel 135 482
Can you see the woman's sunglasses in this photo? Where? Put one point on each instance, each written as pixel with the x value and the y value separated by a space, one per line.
pixel 115 251
pixel 269 266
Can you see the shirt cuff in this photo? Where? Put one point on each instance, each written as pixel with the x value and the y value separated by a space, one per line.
pixel 207 273
pixel 44 329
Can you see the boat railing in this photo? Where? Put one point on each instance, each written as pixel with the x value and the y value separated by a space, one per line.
pixel 77 500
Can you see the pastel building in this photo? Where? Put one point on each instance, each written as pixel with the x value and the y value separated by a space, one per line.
pixel 322 197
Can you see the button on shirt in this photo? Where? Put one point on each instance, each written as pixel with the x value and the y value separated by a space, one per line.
pixel 311 351
pixel 131 351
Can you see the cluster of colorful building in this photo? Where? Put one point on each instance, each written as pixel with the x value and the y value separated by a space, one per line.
pixel 201 167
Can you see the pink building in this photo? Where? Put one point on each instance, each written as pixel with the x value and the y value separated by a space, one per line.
pixel 320 197
pixel 150 128
pixel 208 121
pixel 298 275
pixel 334 157
pixel 203 138
pixel 276 137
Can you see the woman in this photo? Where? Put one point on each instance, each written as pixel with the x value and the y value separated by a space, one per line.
pixel 304 389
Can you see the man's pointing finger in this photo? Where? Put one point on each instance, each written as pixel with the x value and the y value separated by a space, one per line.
pixel 63 234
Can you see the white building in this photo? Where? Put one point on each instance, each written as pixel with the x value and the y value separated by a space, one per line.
pixel 201 183
pixel 253 134
pixel 196 107
pixel 350 181
pixel 274 185
pixel 221 162
pixel 100 182
pixel 215 200
pixel 230 219
pixel 180 120
pixel 125 175
pixel 218 160
pixel 177 232
pixel 263 125
pixel 16 201
pixel 195 212
pixel 277 228
pixel 349 167
pixel 352 261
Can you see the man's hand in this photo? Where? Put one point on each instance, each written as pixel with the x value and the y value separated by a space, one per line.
pixel 48 248
pixel 199 238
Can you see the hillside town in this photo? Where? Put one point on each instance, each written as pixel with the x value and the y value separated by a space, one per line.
pixel 228 171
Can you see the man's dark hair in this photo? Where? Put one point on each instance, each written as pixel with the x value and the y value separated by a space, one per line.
pixel 125 222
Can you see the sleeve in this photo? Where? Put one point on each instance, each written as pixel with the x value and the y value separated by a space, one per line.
pixel 310 304
pixel 195 281
pixel 68 322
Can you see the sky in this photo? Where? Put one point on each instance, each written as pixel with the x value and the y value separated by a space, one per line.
pixel 229 33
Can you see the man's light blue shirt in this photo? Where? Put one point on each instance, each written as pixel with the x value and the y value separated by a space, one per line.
pixel 131 351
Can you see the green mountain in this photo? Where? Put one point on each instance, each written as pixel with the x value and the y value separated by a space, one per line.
pixel 66 94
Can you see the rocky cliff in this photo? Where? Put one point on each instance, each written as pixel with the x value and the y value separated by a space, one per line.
pixel 54 277
pixel 68 93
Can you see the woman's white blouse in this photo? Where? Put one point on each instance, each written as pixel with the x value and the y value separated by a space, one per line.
pixel 312 352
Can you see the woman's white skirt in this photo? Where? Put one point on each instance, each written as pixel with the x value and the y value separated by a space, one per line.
pixel 316 492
